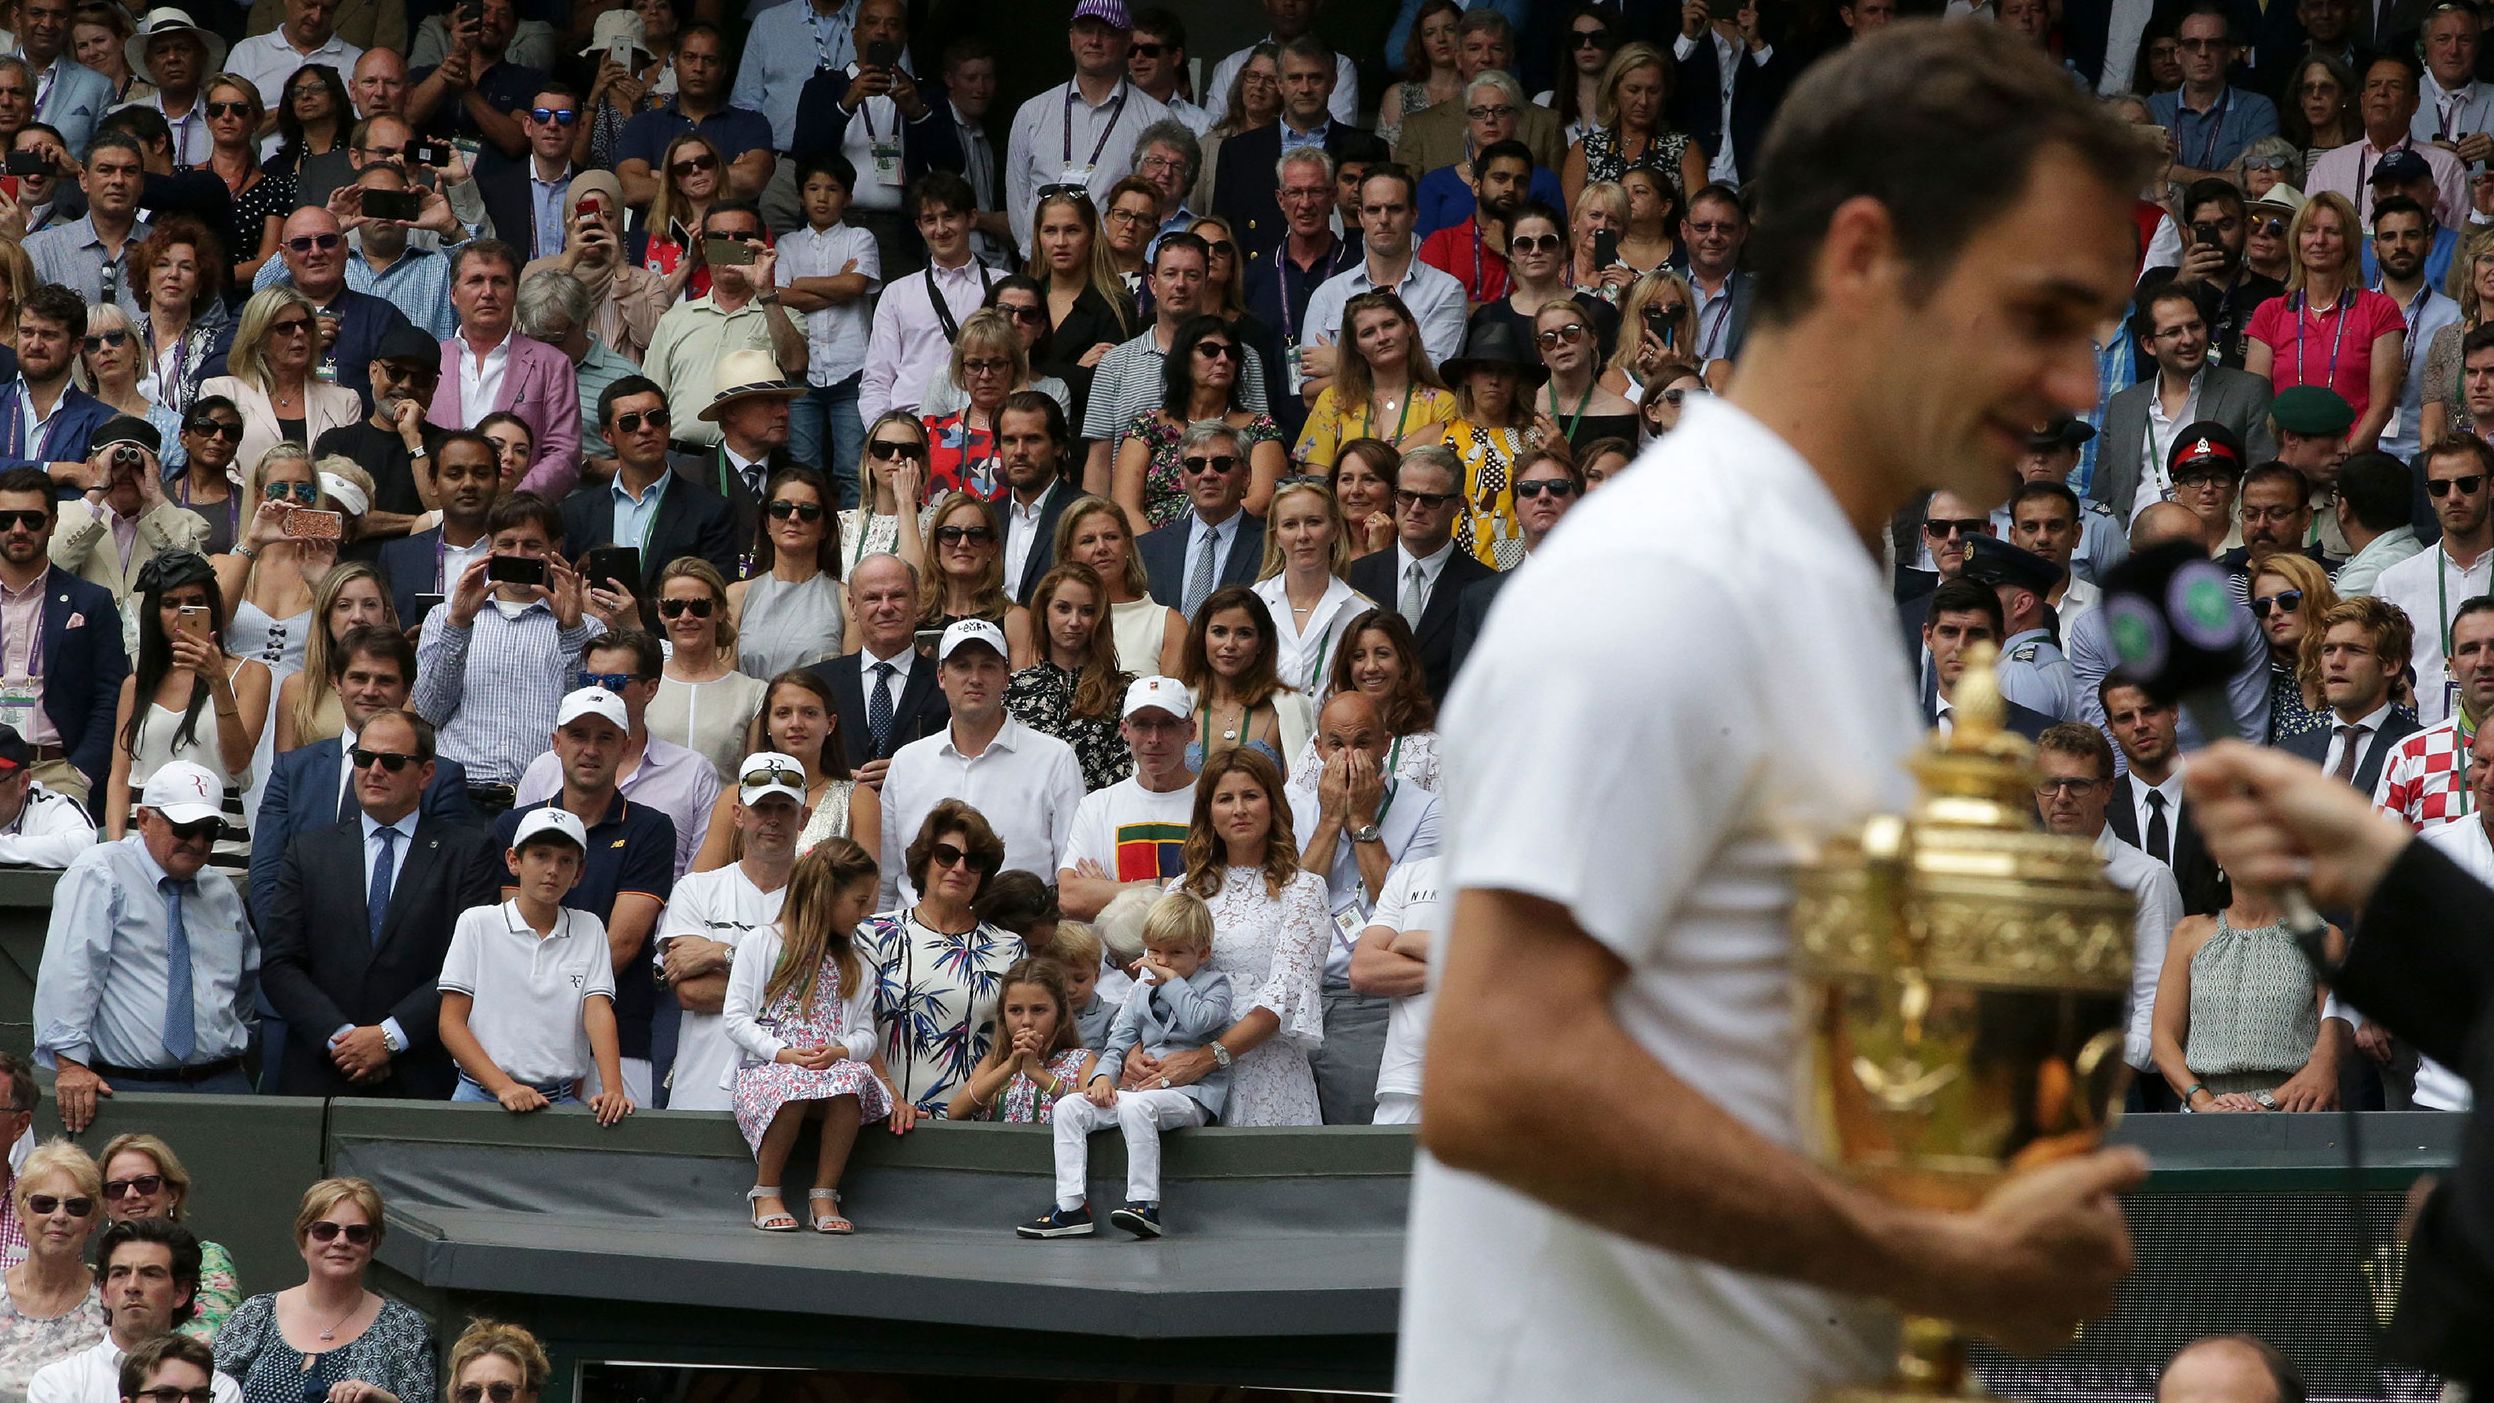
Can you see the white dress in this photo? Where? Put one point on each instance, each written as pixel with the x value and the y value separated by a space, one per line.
pixel 1141 628
pixel 1274 953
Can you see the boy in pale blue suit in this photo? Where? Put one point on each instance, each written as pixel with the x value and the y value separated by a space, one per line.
pixel 1176 1005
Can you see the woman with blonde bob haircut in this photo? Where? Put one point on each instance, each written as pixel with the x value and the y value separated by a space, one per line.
pixel 270 376
pixel 144 1178
pixel 1307 548
pixel 2330 329
pixel 51 1307
pixel 331 1330
pixel 496 1362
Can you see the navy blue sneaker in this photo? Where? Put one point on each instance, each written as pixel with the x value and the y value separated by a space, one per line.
pixel 1060 1222
pixel 1141 1219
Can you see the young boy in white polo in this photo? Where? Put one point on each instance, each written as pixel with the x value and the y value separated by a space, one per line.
pixel 528 993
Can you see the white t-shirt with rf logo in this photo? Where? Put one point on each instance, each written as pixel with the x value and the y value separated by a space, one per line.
pixel 529 988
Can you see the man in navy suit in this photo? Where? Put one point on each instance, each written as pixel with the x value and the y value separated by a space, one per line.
pixel 311 787
pixel 1031 436
pixel 49 328
pixel 1219 543
pixel 2365 645
pixel 358 985
pixel 883 598
pixel 1246 175
pixel 1425 575
pixel 649 503
pixel 1964 613
pixel 64 704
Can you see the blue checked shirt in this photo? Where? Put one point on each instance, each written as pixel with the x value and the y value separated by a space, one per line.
pixel 418 284
pixel 491 688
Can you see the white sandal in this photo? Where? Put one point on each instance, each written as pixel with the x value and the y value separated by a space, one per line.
pixel 831 1222
pixel 782 1221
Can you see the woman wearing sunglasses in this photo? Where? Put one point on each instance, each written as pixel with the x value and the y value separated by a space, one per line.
pixel 261 201
pixel 703 704
pixel 350 597
pixel 790 612
pixel 107 366
pixel 1150 635
pixel 936 967
pixel 51 1308
pixel 1584 53
pixel 2266 164
pixel 2287 593
pixel 207 484
pixel 1667 393
pixel 269 375
pixel 186 700
pixel 888 521
pixel 989 362
pixel 1537 266
pixel 1574 398
pixel 670 243
pixel 496 1363
pixel 143 1178
pixel 273 579
pixel 312 124
pixel 968 581
pixel 303 1342
pixel 1201 378
pixel 1658 322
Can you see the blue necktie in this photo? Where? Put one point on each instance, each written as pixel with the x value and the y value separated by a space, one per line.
pixel 181 1031
pixel 879 708
pixel 377 896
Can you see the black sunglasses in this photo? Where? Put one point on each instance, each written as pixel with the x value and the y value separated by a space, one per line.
pixel 357 1234
pixel 630 421
pixel 1019 313
pixel 231 432
pixel 1222 247
pixel 1427 501
pixel 45 1205
pixel 2467 486
pixel 1555 486
pixel 1941 528
pixel 948 855
pixel 782 508
pixel 1592 39
pixel 227 109
pixel 1216 350
pixel 1147 50
pixel 2285 602
pixel 389 760
pixel 145 1185
pixel 889 449
pixel 704 161
pixel 500 1391
pixel 101 339
pixel 32 521
pixel 193 832
pixel 676 608
pixel 957 535
pixel 1216 463
pixel 305 243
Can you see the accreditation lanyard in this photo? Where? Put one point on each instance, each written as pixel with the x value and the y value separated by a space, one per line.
pixel 1116 109
pixel 1410 393
pixel 1326 268
pixel 2343 307
pixel 2216 126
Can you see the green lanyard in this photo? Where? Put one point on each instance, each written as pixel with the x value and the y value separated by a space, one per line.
pixel 1579 416
pixel 1410 393
pixel 1324 645
pixel 2461 732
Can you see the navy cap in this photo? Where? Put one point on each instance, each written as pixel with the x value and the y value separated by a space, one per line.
pixel 2064 432
pixel 2399 167
pixel 408 345
pixel 1992 561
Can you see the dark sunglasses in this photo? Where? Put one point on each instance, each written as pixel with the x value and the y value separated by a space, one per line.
pixel 630 421
pixel 1670 311
pixel 305 493
pixel 611 681
pixel 2467 486
pixel 1941 528
pixel 215 428
pixel 291 326
pixel 1063 191
pixel 889 449
pixel 1534 243
pixel 2274 228
pixel 227 109
pixel 559 116
pixel 356 1234
pixel 32 521
pixel 676 608
pixel 1571 333
pixel 1222 247
pixel 782 508
pixel 500 1391
pixel 192 833
pixel 1025 315
pixel 101 339
pixel 947 855
pixel 305 243
pixel 45 1205
pixel 389 760
pixel 1216 350
pixel 167 1393
pixel 958 535
pixel 690 164
pixel 1147 50
pixel 1427 501
pixel 1592 39
pixel 1555 486
pixel 1216 463
pixel 2285 602
pixel 145 1185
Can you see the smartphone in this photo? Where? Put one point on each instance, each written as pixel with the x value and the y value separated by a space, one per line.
pixel 928 639
pixel 608 565
pixel 191 621
pixel 433 151
pixel 426 604
pixel 406 206
pixel 1605 248
pixel 306 524
pixel 590 204
pixel 2204 233
pixel 515 570
pixel 718 252
pixel 621 51
pixel 472 12
pixel 882 53
pixel 29 163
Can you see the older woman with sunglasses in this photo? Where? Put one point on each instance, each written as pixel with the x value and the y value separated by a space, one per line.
pixel 269 376
pixel 1201 379
pixel 143 1178
pixel 497 1363
pixel 937 968
pixel 50 1308
pixel 330 1337
pixel 261 201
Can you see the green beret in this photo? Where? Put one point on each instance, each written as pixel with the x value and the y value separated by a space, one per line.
pixel 2312 409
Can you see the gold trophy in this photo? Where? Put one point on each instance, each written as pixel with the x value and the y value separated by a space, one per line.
pixel 1962 974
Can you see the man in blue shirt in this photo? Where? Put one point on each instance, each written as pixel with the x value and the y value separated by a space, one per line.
pixel 700 105
pixel 2210 121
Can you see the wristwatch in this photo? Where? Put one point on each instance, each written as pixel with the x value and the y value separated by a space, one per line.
pixel 1220 1054
pixel 1366 833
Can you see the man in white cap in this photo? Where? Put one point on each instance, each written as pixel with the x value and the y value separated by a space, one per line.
pixel 150 967
pixel 1026 784
pixel 1133 833
pixel 631 860
pixel 712 912
pixel 652 772
pixel 177 56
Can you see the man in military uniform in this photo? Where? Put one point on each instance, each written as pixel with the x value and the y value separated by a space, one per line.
pixel 2033 673
pixel 2312 423
pixel 2051 456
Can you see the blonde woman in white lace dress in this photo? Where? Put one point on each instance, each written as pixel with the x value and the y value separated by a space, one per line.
pixel 1269 929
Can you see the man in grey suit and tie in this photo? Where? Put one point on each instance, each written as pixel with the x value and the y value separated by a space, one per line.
pixel 2140 422
pixel 1219 543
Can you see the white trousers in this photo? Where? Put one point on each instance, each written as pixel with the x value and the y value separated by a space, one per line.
pixel 1397 1108
pixel 1142 1115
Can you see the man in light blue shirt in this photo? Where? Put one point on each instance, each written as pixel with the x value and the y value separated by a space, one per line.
pixel 2211 122
pixel 788 44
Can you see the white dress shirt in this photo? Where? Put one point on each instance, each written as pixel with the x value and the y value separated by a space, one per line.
pixel 268 60
pixel 1027 784
pixel 1307 647
pixel 2172 790
pixel 900 661
pixel 907 343
pixel 480 381
pixel 93 1375
pixel 1021 528
pixel 2366 728
pixel 2431 589
pixel 2447 114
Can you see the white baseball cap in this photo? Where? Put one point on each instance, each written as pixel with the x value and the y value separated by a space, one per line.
pixel 593 701
pixel 965 631
pixel 554 819
pixel 1167 693
pixel 768 772
pixel 184 793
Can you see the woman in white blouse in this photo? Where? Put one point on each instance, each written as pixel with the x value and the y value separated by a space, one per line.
pixel 1150 635
pixel 1306 549
pixel 703 704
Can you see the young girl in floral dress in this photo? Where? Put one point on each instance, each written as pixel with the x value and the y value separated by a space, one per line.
pixel 1038 1056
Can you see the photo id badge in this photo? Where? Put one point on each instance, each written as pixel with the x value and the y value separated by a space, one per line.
pixel 1348 923
pixel 1075 175
pixel 886 154
pixel 2450 697
pixel 1298 370
pixel 19 696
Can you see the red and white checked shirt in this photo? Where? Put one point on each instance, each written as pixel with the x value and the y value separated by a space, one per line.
pixel 12 1237
pixel 2425 782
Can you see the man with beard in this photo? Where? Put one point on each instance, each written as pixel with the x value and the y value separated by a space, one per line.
pixel 395 445
pixel 1469 252
pixel 2432 586
pixel 65 658
pixel 1031 435
pixel 2403 236
pixel 45 421
pixel 2212 266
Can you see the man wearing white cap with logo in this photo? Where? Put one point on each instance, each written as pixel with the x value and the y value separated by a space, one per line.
pixel 150 967
pixel 712 912
pixel 1027 785
pixel 1133 833
pixel 177 55
pixel 631 860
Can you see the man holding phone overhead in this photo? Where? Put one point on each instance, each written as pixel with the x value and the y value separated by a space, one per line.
pixel 473 93
pixel 874 113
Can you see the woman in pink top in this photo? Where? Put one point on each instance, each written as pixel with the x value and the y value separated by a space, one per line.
pixel 2329 329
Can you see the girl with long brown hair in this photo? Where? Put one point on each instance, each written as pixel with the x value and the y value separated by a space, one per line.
pixel 1038 1054
pixel 1075 689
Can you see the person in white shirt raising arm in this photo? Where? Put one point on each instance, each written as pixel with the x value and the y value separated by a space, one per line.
pixel 1654 1233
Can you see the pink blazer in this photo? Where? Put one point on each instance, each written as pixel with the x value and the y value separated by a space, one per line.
pixel 538 385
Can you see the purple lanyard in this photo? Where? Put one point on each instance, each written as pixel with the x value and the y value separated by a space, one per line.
pixel 2344 307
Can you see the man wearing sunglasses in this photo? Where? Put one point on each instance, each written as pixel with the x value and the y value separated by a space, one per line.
pixel 650 771
pixel 1219 543
pixel 360 917
pixel 1156 63
pixel 2432 586
pixel 525 198
pixel 1423 577
pixel 649 505
pixel 147 919
pixel 147 1271
pixel 395 443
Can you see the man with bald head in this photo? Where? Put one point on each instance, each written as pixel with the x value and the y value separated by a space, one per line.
pixel 379 86
pixel 2230 1369
pixel 1358 822
pixel 2089 643
pixel 313 245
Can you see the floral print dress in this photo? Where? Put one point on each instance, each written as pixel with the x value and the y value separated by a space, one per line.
pixel 220 1290
pixel 27 1343
pixel 1273 950
pixel 1041 697
pixel 395 1353
pixel 935 1000
pixel 1021 1103
pixel 1164 481
pixel 762 1088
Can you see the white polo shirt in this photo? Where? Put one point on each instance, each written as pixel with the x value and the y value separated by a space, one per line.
pixel 1413 899
pixel 722 905
pixel 1670 830
pixel 1026 784
pixel 529 988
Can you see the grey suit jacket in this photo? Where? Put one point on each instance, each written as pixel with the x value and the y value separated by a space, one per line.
pixel 1177 1017
pixel 2237 399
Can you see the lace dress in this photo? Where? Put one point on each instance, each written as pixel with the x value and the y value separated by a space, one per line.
pixel 395 1353
pixel 1164 483
pixel 935 1000
pixel 1041 697
pixel 1274 951
pixel 28 1343
pixel 1603 160
pixel 862 533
